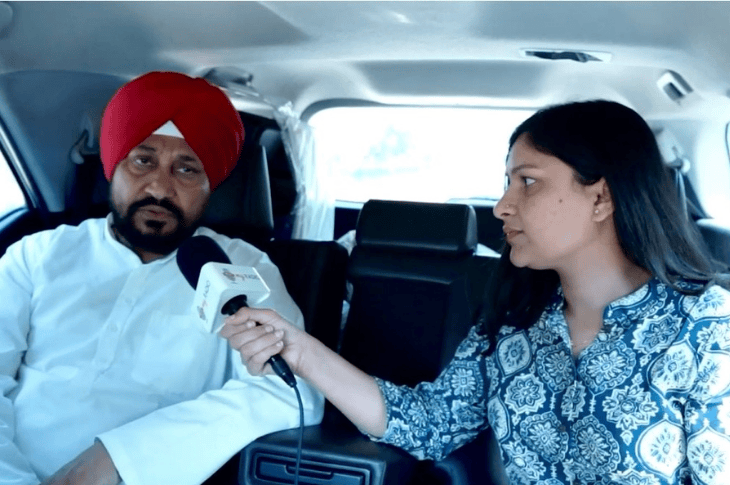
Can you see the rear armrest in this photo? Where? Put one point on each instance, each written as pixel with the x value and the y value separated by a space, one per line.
pixel 331 455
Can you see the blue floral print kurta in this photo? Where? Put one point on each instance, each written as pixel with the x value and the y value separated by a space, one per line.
pixel 647 403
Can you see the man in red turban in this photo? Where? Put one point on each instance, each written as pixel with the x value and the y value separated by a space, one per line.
pixel 114 379
pixel 201 112
pixel 167 141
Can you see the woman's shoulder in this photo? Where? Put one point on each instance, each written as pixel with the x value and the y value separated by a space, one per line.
pixel 712 303
pixel 679 316
pixel 705 321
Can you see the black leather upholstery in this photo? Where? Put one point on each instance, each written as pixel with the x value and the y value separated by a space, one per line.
pixel 416 285
pixel 448 230
pixel 412 300
pixel 314 273
pixel 717 238
pixel 241 205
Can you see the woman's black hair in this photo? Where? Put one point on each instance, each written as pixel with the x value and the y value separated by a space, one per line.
pixel 604 139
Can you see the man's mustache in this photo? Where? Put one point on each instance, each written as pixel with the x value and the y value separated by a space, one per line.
pixel 164 203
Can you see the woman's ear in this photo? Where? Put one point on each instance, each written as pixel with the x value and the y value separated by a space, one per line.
pixel 602 200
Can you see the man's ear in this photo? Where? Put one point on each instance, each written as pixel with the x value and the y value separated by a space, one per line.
pixel 602 200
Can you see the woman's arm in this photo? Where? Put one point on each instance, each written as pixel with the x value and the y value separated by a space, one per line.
pixel 259 334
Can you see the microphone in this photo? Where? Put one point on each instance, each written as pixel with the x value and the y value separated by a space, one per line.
pixel 222 288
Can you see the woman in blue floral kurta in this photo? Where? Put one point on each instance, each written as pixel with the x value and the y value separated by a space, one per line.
pixel 603 352
pixel 648 402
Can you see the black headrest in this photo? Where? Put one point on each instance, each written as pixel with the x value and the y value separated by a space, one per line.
pixel 417 226
pixel 241 205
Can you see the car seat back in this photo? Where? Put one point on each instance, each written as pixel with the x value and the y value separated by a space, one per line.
pixel 412 301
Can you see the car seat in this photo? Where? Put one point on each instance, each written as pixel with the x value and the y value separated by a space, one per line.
pixel 417 285
pixel 411 271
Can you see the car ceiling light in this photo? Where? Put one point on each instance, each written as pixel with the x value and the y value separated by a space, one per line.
pixel 674 86
pixel 566 54
pixel 239 84
pixel 230 76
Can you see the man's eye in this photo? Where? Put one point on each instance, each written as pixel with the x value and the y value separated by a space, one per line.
pixel 188 170
pixel 141 161
pixel 528 181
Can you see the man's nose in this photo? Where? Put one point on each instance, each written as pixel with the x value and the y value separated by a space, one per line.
pixel 160 185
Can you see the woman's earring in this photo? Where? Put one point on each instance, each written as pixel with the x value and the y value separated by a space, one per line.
pixel 595 211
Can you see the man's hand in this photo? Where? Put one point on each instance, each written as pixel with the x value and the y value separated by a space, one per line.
pixel 92 467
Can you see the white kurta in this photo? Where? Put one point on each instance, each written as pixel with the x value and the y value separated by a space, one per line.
pixel 94 343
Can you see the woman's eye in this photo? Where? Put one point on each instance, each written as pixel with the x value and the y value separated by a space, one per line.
pixel 528 181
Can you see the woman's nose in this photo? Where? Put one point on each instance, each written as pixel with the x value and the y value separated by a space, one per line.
pixel 503 207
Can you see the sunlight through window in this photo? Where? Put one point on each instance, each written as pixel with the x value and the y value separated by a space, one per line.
pixel 415 154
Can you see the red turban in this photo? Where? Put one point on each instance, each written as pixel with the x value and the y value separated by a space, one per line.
pixel 202 112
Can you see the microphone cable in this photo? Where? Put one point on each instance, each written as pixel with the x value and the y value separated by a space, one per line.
pixel 301 435
pixel 191 256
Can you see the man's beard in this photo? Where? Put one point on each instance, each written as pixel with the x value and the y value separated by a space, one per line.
pixel 153 242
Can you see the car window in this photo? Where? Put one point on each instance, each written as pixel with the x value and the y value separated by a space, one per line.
pixel 416 154
pixel 11 196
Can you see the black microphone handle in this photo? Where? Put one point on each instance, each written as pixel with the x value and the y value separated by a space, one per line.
pixel 276 362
